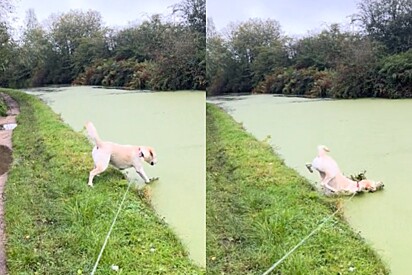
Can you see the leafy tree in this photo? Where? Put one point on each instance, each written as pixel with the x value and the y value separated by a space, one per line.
pixel 178 65
pixel 254 56
pixel 322 51
pixel 218 60
pixel 6 52
pixel 33 53
pixel 267 60
pixel 155 54
pixel 389 22
pixel 143 42
pixel 394 76
pixel 70 28
pixel 128 45
pixel 241 60
pixel 68 32
pixel 89 50
pixel 193 13
pixel 6 43
pixel 248 41
pixel 355 73
pixel 248 38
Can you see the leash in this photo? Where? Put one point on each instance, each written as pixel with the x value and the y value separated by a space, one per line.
pixel 110 230
pixel 305 238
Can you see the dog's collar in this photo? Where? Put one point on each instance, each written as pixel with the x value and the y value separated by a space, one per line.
pixel 357 185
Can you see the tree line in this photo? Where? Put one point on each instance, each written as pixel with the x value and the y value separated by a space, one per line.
pixel 374 59
pixel 77 48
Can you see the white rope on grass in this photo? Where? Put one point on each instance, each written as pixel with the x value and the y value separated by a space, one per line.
pixel 305 239
pixel 110 230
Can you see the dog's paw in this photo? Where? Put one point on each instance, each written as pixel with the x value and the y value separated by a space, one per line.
pixel 90 185
pixel 153 179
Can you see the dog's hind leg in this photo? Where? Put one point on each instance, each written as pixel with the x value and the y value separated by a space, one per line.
pixel 309 166
pixel 326 182
pixel 101 162
pixel 96 171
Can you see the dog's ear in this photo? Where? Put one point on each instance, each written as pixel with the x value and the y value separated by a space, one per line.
pixel 140 153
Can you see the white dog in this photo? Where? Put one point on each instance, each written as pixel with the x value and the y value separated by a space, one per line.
pixel 120 156
pixel 333 179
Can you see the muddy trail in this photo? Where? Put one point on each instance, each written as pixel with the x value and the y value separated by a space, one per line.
pixel 7 125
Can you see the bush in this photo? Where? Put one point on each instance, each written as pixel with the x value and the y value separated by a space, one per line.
pixel 273 83
pixel 394 76
pixel 309 82
pixel 124 73
pixel 354 81
pixel 390 78
pixel 142 74
pixel 322 85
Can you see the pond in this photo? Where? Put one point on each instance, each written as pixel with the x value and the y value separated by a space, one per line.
pixel 365 134
pixel 171 122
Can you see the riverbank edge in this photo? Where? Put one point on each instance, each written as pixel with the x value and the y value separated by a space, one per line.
pixel 62 223
pixel 258 209
pixel 9 109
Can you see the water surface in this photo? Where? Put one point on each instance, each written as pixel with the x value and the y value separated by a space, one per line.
pixel 171 122
pixel 367 134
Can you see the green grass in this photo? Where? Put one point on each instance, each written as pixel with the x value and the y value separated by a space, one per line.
pixel 3 107
pixel 55 224
pixel 258 209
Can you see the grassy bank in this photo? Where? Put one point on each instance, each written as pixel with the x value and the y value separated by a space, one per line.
pixel 258 209
pixel 55 224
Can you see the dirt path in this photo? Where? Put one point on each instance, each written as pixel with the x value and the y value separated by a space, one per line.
pixel 5 162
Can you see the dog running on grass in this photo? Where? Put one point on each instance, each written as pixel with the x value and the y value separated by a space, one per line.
pixel 120 156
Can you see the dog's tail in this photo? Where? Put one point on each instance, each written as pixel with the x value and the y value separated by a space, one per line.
pixel 322 150
pixel 91 130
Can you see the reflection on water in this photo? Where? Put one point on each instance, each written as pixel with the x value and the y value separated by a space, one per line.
pixel 368 134
pixel 174 124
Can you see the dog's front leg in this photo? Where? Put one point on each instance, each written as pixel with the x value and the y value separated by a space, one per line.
pixel 143 175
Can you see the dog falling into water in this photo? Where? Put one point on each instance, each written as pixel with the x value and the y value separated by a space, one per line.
pixel 333 179
pixel 120 156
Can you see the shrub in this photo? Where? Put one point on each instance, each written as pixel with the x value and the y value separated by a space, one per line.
pixel 308 81
pixel 124 73
pixel 394 76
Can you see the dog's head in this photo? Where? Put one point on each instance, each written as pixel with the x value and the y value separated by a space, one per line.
pixel 148 154
pixel 370 185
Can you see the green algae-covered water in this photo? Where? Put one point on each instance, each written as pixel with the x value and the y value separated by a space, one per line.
pixel 366 134
pixel 171 122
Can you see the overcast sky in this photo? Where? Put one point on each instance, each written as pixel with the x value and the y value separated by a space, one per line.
pixel 296 17
pixel 114 12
